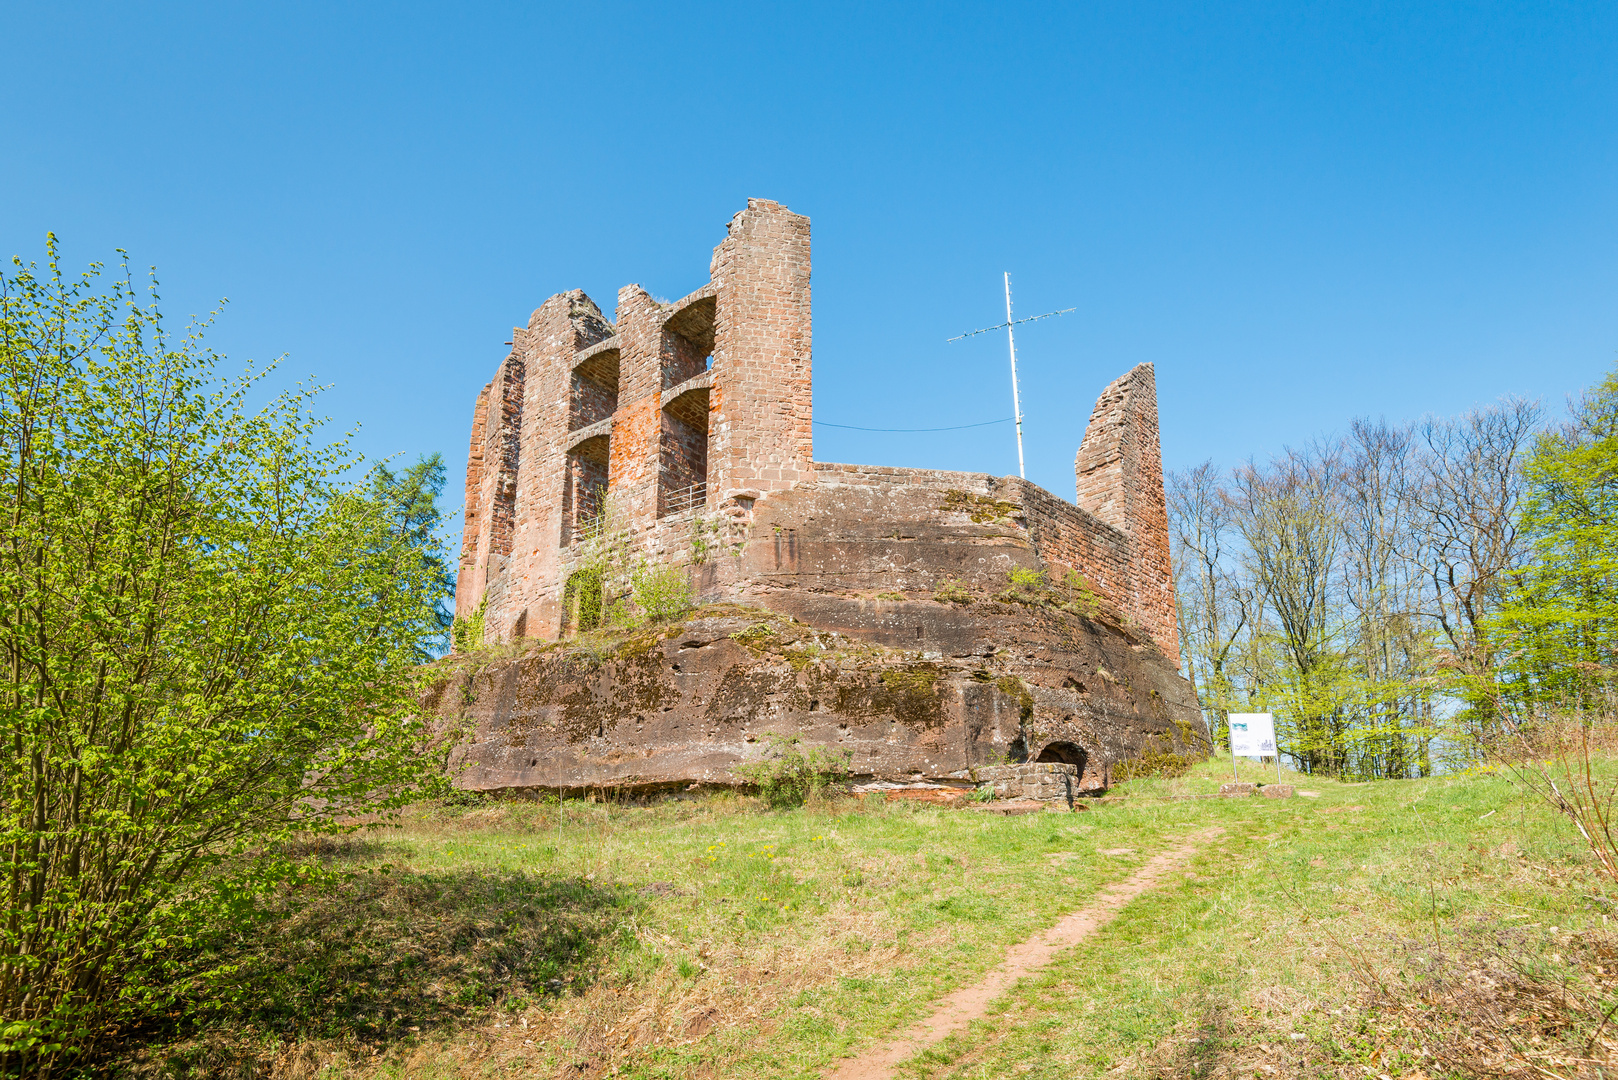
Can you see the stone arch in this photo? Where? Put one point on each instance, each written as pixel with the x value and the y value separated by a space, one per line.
pixel 582 600
pixel 584 482
pixel 1065 753
pixel 682 480
pixel 688 340
pixel 593 385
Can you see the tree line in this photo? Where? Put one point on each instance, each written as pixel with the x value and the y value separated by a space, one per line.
pixel 1401 594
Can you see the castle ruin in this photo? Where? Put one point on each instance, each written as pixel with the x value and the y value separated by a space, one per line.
pixel 857 606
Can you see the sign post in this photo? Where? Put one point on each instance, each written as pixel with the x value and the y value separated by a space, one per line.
pixel 1253 735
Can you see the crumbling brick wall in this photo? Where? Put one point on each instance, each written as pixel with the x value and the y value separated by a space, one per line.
pixel 492 505
pixel 761 434
pixel 588 402
pixel 1072 539
pixel 1118 474
pixel 683 459
pixel 472 520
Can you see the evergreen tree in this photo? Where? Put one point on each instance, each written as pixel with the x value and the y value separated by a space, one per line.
pixel 410 503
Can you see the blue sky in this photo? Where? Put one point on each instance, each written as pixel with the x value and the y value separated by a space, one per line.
pixel 1300 213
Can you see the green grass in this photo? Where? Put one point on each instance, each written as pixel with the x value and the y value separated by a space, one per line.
pixel 715 938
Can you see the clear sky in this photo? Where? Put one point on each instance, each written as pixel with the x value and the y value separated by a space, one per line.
pixel 1300 212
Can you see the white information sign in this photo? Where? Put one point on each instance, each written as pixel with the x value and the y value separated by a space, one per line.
pixel 1252 734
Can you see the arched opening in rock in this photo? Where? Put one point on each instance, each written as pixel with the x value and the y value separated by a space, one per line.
pixel 1064 753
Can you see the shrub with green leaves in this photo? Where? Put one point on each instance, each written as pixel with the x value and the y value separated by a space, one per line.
pixel 209 636
pixel 662 593
pixel 466 635
pixel 1025 579
pixel 1024 585
pixel 789 774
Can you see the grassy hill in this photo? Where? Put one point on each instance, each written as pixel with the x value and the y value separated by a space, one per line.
pixel 1450 926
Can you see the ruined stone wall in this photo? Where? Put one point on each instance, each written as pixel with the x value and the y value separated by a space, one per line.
pixel 589 402
pixel 1068 538
pixel 472 523
pixel 761 434
pixel 831 473
pixel 701 408
pixel 491 503
pixel 857 606
pixel 556 331
pixel 1119 478
pixel 873 618
pixel 683 457
pixel 667 405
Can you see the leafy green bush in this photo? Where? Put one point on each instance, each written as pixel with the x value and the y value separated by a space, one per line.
pixel 791 774
pixel 1081 598
pixel 662 593
pixel 210 643
pixel 1024 586
pixel 467 634
pixel 1027 580
pixel 581 598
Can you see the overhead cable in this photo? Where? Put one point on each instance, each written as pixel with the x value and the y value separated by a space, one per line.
pixel 906 430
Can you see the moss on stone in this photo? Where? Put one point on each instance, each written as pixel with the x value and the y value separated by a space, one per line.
pixel 980 508
pixel 1156 758
pixel 1013 687
pixel 919 678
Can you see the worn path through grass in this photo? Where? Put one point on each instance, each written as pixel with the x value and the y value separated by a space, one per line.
pixel 970 1003
pixel 716 939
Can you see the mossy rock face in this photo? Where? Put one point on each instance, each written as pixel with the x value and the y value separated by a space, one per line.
pixel 1158 758
pixel 981 509
pixel 919 678
pixel 1014 688
pixel 903 688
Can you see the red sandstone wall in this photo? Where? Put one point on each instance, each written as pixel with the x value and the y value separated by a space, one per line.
pixel 1068 538
pixel 484 550
pixel 886 476
pixel 588 402
pixel 637 425
pixel 472 526
pixel 1119 478
pixel 683 457
pixel 761 438
pixel 524 489
pixel 557 330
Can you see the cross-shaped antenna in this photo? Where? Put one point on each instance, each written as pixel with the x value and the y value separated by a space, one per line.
pixel 1011 343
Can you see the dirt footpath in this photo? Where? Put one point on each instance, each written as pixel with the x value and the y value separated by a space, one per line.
pixel 971 1002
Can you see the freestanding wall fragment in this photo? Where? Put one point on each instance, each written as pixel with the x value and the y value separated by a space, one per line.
pixel 1119 478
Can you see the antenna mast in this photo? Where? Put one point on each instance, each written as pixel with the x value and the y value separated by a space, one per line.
pixel 1016 401
pixel 1011 343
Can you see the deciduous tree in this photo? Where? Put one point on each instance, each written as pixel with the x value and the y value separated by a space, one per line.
pixel 209 639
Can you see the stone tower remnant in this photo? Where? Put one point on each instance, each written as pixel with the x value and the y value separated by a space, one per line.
pixel 860 607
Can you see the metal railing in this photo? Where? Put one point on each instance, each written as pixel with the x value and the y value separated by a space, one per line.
pixel 588 528
pixel 680 500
